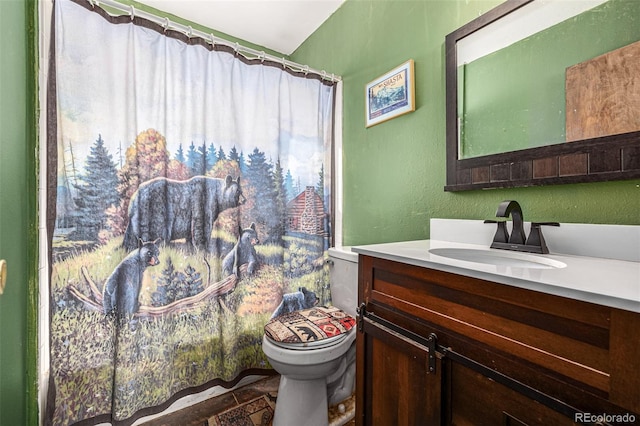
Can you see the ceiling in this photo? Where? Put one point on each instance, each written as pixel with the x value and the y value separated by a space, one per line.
pixel 280 25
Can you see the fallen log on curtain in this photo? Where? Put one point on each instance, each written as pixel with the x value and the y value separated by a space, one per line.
pixel 90 304
pixel 216 289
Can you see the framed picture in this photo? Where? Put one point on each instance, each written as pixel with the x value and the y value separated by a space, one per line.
pixel 391 95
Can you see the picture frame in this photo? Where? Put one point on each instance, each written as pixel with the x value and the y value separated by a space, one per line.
pixel 390 95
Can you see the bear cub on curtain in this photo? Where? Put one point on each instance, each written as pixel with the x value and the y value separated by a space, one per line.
pixel 122 289
pixel 243 252
pixel 297 301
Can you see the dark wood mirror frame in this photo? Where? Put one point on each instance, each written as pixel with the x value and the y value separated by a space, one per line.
pixel 606 158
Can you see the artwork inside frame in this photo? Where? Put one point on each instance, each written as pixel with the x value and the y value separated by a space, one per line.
pixel 391 95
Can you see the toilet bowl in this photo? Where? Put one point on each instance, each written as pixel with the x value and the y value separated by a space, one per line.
pixel 317 373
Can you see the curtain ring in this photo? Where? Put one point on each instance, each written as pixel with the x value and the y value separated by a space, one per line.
pixel 132 12
pixel 324 74
pixel 166 24
pixel 91 3
pixel 262 56
pixel 190 32
pixel 212 39
pixel 284 65
pixel 236 46
pixel 332 78
pixel 306 69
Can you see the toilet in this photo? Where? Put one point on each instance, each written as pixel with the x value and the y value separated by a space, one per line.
pixel 315 374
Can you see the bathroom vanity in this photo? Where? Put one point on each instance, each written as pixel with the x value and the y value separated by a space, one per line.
pixel 448 339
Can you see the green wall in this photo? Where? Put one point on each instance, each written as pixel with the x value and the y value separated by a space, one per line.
pixel 18 229
pixel 394 173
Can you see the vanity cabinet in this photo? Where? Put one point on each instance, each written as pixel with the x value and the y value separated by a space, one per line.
pixel 436 348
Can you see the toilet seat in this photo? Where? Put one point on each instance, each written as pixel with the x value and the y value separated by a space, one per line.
pixel 309 329
pixel 308 346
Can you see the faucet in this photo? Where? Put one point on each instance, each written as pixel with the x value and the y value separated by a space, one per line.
pixel 513 209
pixel 518 240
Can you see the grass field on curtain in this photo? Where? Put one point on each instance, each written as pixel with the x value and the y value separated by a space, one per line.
pixel 206 341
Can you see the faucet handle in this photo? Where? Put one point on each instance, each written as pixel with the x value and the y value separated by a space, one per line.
pixel 536 238
pixel 501 235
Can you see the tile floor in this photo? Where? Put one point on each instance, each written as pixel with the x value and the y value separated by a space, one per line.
pixel 198 415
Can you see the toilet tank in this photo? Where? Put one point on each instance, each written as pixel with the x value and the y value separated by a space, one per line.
pixel 343 279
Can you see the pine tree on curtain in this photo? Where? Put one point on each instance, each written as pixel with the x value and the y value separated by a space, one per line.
pixel 191 189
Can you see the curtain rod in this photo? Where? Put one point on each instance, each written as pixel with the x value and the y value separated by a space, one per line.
pixel 245 51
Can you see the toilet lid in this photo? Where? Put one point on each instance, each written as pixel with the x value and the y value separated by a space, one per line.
pixel 313 328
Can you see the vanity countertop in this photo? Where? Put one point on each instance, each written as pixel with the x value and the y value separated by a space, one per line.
pixel 608 282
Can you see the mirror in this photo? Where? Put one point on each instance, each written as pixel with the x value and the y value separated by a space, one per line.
pixel 512 74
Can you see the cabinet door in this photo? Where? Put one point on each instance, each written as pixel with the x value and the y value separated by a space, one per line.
pixel 477 400
pixel 396 385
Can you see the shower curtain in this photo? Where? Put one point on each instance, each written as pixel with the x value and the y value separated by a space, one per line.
pixel 189 190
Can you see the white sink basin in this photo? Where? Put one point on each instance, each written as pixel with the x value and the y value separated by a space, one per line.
pixel 498 258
